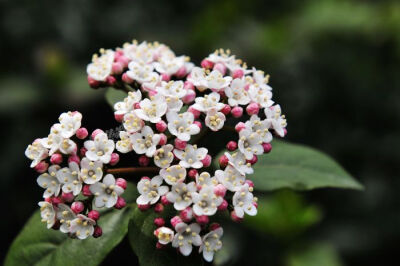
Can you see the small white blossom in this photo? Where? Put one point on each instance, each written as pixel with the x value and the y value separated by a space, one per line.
pixel 231 178
pixel 164 235
pixel 70 122
pixel 243 202
pixel 181 195
pixel 55 141
pixel 142 53
pixel 140 72
pixel 82 226
pixel 174 104
pixel 132 123
pixel 47 213
pixel 277 120
pixel 91 172
pixel 260 80
pixel 208 102
pixel 215 120
pixel 205 202
pixel 128 103
pixel 124 145
pixel 49 182
pixel 101 67
pixel 145 141
pixel 173 175
pixel 250 143
pixel 211 243
pixel 186 236
pixel 99 149
pixel 168 65
pixel 150 190
pixel 152 82
pixel 106 193
pixel 205 179
pixel 181 125
pixel 216 81
pixel 198 78
pixel 172 88
pixel 163 157
pixel 238 161
pixel 261 127
pixel 65 215
pixel 69 177
pixel 191 156
pixel 261 95
pixel 152 109
pixel 236 93
pixel 36 152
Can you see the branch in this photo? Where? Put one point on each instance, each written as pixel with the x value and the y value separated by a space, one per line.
pixel 134 170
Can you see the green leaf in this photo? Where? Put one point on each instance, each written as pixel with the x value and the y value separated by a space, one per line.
pixel 112 96
pixel 143 242
pixel 299 167
pixel 36 245
pixel 315 255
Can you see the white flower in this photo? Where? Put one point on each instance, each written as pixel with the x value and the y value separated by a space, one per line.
pixel 91 172
pixel 238 161
pixel 250 143
pixel 132 123
pixel 174 104
pixel 277 120
pixel 236 93
pixel 100 148
pixel 106 193
pixel 128 103
pixel 219 56
pixel 260 95
pixel 243 202
pixel 152 82
pixel 163 157
pixel 36 152
pixel 124 145
pixel 181 125
pixel 205 202
pixel 65 215
pixel 211 243
pixel 191 157
pixel 260 80
pixel 82 226
pixel 208 102
pixel 216 81
pixel 145 142
pixel 186 236
pixel 198 77
pixel 172 89
pixel 181 195
pixel 150 190
pixel 169 65
pixel 142 53
pixel 47 213
pixel 69 177
pixel 70 122
pixel 101 67
pixel 205 179
pixel 173 175
pixel 49 182
pixel 261 127
pixel 140 72
pixel 55 141
pixel 231 178
pixel 164 235
pixel 152 109
pixel 215 120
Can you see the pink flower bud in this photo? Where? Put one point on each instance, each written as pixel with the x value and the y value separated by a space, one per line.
pixel 161 126
pixel 221 92
pixel 143 207
pixel 231 145
pixel 195 112
pixel 249 182
pixel 186 214
pixel 123 60
pixel 285 132
pixel 97 232
pixel 180 144
pixel 159 245
pixel 223 161
pixel 237 74
pixel 207 64
pixel 144 160
pixel 252 109
pixel 239 126
pixel 255 204
pixel 56 158
pixel 165 77
pixel 117 68
pixel 121 183
pixel 120 203
pixel 198 123
pixel 111 80
pixel 82 151
pixel 86 191
pixel 253 160
pixel 163 139
pixel 56 200
pixel 223 206
pixel 114 158
pixel 95 132
pixel 189 97
pixel 159 222
pixel 214 226
pixel 74 158
pixel 226 109
pixel 175 221
pixel 220 190
pixel 164 200
pixel 118 53
pixel 237 111
pixel 136 106
pixel 267 147
pixel 94 215
pixel 41 167
pixel 119 117
pixel 145 178
pixel 188 85
pixel 159 208
pixel 202 219
pixel 94 84
pixel 67 197
pixel 247 87
pixel 181 73
pixel 81 133
pixel 192 173
pixel 77 207
pixel 207 160
pixel 126 79
pixel 220 67
pixel 235 218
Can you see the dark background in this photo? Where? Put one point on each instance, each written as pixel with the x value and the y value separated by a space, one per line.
pixel 334 67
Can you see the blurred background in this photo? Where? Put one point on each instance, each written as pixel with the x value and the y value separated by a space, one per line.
pixel 335 70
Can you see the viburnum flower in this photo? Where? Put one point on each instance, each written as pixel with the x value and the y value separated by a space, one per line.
pixel 186 236
pixel 208 102
pixel 56 142
pixel 198 78
pixel 91 172
pixel 82 226
pixel 164 235
pixel 172 89
pixel 211 243
pixel 36 152
pixel 150 190
pixel 100 148
pixel 231 178
pixel 132 123
pixel 215 120
pixel 47 213
pixel 260 95
pixel 101 66
pixel 173 175
pixel 124 145
pixel 250 143
pixel 205 202
pixel 277 120
pixel 152 109
pixel 70 122
pixel 181 125
pixel 236 93
pixel 69 177
pixel 106 193
pixel 191 156
pixel 49 182
pixel 140 72
pixel 145 141
pixel 163 157
pixel 261 127
pixel 216 81
pixel 243 202
pixel 65 215
pixel 181 195
pixel 127 105
pixel 205 179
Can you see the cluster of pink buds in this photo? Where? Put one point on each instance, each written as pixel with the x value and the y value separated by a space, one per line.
pixel 73 168
pixel 170 102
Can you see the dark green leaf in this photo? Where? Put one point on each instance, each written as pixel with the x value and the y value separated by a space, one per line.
pixel 314 255
pixel 112 96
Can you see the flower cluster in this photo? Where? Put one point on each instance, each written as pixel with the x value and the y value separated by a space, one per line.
pixel 76 191
pixel 170 104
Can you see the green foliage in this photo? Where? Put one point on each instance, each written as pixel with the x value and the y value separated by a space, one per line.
pixel 314 255
pixel 112 96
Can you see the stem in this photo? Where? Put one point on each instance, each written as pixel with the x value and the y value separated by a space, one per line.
pixel 133 170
